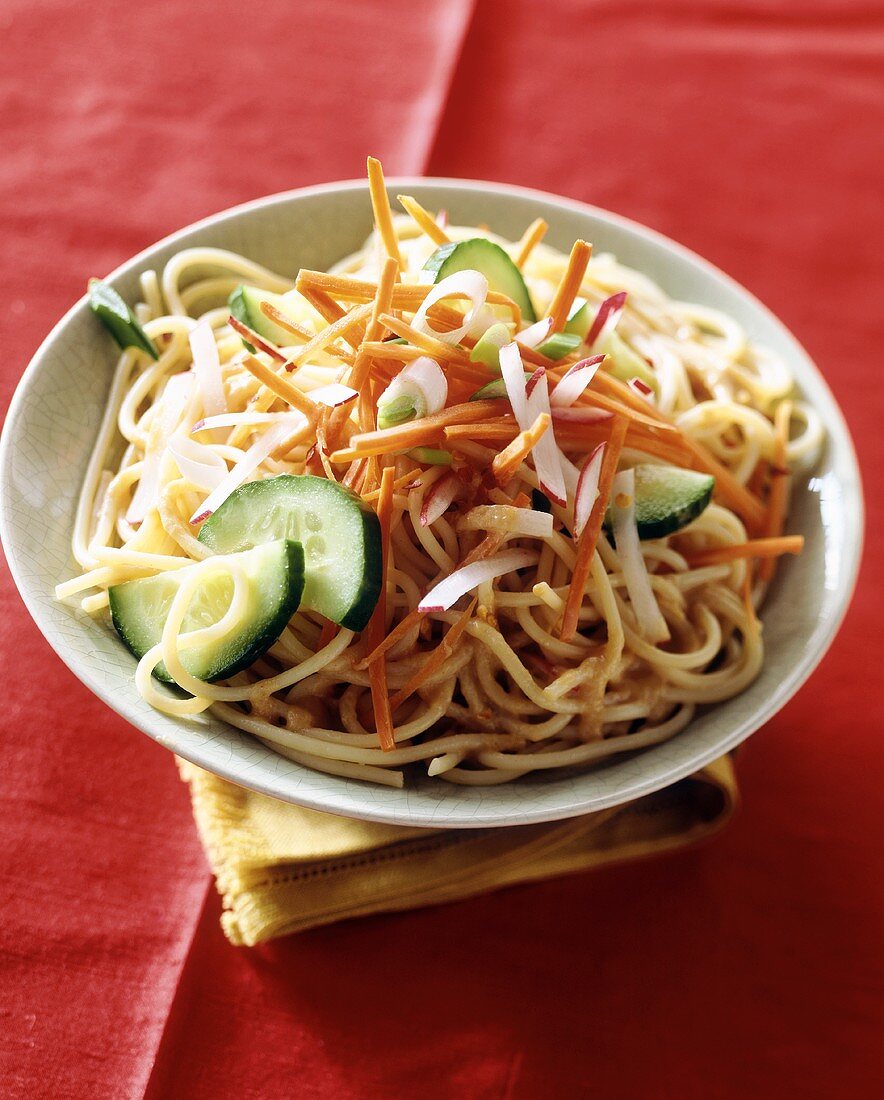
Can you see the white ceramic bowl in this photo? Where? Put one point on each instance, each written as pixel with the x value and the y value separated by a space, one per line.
pixel 55 414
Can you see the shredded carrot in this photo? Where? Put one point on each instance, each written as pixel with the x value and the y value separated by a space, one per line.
pixel 383 216
pixel 757 478
pixel 436 659
pixel 746 592
pixel 353 476
pixel 328 335
pixel 407 296
pixel 256 340
pixel 424 219
pixel 279 318
pixel 430 345
pixel 488 546
pixel 532 236
pixel 753 548
pixel 586 544
pixel 377 672
pixel 399 631
pixel 779 483
pixel 362 367
pixel 416 433
pixel 399 483
pixel 511 458
pixel 281 387
pixel 567 289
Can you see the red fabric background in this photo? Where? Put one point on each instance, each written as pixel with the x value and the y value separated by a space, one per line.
pixel 752 966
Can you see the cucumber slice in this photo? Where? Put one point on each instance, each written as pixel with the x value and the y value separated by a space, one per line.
pixel 624 363
pixel 340 534
pixel 580 318
pixel 559 345
pixel 118 318
pixel 480 254
pixel 245 305
pixel 276 579
pixel 667 498
pixel 497 388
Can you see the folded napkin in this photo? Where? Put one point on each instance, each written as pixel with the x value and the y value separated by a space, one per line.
pixel 281 869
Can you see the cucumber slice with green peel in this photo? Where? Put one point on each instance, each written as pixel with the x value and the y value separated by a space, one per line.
pixel 487 347
pixel 559 345
pixel 480 254
pixel 275 576
pixel 340 534
pixel 245 305
pixel 118 318
pixel 667 498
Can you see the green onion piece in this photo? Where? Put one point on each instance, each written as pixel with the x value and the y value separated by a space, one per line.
pixel 118 319
pixel 487 349
pixel 497 388
pixel 559 345
pixel 431 456
pixel 397 411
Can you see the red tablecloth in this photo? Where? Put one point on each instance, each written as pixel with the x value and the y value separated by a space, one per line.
pixel 752 132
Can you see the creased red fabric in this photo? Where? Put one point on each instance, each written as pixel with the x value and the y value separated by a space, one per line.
pixel 752 966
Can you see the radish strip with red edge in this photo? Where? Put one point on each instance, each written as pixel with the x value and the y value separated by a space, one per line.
pixel 255 340
pixel 533 380
pixel 449 590
pixel 471 283
pixel 641 388
pixel 207 368
pixel 513 374
pixel 197 462
pixel 262 448
pixel 584 414
pixel 587 489
pixel 651 623
pixel 574 381
pixel 439 497
pixel 606 319
pixel 234 420
pixel 333 395
pixel 546 452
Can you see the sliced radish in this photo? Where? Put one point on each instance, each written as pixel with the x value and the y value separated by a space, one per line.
pixel 641 388
pixel 197 462
pixel 234 420
pixel 570 472
pixel 533 380
pixel 207 368
pixel 439 497
pixel 581 414
pixel 587 489
pixel 508 520
pixel 574 381
pixel 167 412
pixel 651 623
pixel 262 448
pixel 535 335
pixel 471 283
pixel 255 340
pixel 449 590
pixel 513 374
pixel 606 319
pixel 546 453
pixel 334 394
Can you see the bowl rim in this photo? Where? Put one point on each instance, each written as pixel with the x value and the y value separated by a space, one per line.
pixel 823 634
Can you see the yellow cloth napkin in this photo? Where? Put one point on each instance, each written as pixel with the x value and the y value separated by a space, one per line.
pixel 281 869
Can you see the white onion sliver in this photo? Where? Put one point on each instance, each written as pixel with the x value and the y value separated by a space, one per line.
pixel 439 496
pixel 234 420
pixel 509 520
pixel 574 381
pixel 334 394
pixel 513 374
pixel 207 368
pixel 651 623
pixel 471 283
pixel 587 489
pixel 449 590
pixel 534 335
pixel 264 446
pixel 545 450
pixel 167 412
pixel 606 319
pixel 197 462
pixel 570 472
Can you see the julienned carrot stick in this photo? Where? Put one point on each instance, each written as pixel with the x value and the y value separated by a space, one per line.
pixel 532 236
pixel 377 671
pixel 361 368
pixel 279 318
pixel 587 542
pixel 567 289
pixel 329 334
pixel 383 216
pixel 431 346
pixel 779 483
pixel 511 457
pixel 728 490
pixel 436 659
pixel 399 631
pixel 753 548
pixel 327 634
pixel 424 219
pixel 281 387
pixel 408 296
pixel 417 432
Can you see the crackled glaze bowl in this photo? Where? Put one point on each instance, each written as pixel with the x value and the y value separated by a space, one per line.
pixel 55 414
